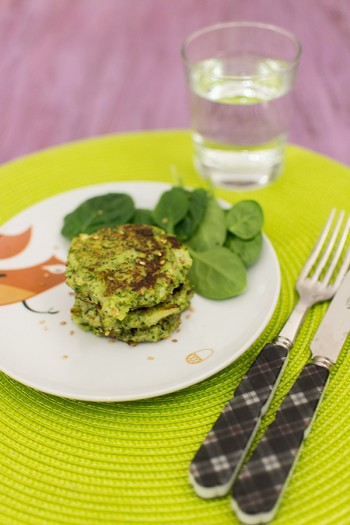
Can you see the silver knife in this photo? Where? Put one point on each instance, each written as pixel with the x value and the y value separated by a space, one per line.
pixel 259 488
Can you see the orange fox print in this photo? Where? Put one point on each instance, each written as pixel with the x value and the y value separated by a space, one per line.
pixel 23 283
pixel 11 245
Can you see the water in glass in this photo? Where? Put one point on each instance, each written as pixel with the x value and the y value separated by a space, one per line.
pixel 240 117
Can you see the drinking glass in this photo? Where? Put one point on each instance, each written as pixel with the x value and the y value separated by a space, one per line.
pixel 240 76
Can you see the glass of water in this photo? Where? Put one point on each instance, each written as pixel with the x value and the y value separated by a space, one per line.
pixel 240 76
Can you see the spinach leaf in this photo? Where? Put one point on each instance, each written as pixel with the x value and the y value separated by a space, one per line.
pixel 171 208
pixel 211 232
pixel 143 216
pixel 197 204
pixel 110 210
pixel 245 219
pixel 248 250
pixel 217 273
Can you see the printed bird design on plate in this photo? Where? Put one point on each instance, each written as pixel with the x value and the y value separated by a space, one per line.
pixel 11 245
pixel 21 284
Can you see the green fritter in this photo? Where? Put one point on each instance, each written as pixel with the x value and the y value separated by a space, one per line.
pixel 126 267
pixel 133 336
pixel 87 313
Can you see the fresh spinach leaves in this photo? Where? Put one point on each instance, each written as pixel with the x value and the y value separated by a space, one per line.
pixel 222 243
pixel 212 230
pixel 247 249
pixel 111 210
pixel 217 273
pixel 245 219
pixel 171 208
pixel 197 204
pixel 143 216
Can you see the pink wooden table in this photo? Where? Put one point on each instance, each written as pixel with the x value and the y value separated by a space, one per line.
pixel 71 69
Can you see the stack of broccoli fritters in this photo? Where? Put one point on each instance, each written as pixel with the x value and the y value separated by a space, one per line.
pixel 130 282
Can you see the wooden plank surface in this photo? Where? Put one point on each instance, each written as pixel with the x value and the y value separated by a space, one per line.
pixel 71 69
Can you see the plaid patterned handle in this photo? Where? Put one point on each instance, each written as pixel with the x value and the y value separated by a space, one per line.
pixel 260 485
pixel 219 458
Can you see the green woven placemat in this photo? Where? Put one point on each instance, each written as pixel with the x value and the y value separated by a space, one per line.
pixel 80 463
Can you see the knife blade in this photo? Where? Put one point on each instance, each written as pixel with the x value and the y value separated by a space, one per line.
pixel 261 483
pixel 334 328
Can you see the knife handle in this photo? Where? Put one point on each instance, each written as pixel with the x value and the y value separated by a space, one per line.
pixel 260 485
pixel 218 460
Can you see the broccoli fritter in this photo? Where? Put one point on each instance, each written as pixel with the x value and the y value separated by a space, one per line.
pixel 126 267
pixel 143 317
pixel 130 282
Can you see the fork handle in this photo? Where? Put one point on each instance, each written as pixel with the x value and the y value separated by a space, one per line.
pixel 261 483
pixel 220 456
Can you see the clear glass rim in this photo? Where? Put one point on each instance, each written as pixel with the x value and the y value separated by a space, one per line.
pixel 253 25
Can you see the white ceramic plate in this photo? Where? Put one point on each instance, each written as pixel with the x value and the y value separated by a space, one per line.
pixel 48 352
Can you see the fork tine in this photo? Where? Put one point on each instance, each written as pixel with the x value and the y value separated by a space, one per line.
pixel 343 270
pixel 329 248
pixel 338 254
pixel 318 247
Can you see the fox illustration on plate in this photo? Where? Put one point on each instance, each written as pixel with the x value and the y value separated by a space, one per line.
pixel 12 245
pixel 20 284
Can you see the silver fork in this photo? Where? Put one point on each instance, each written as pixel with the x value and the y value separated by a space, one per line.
pixel 311 288
pixel 218 460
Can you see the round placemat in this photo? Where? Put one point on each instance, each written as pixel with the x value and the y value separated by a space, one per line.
pixel 83 463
